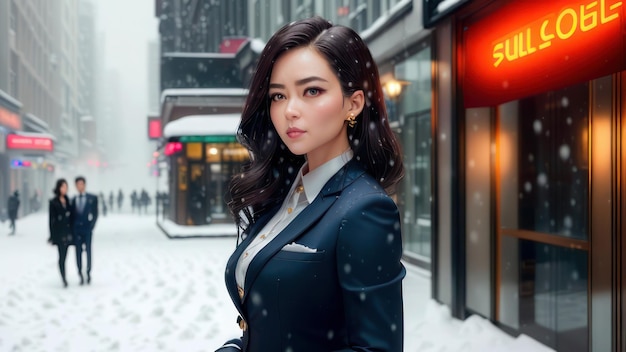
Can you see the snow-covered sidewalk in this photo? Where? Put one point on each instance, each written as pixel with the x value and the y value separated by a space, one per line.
pixel 173 230
pixel 151 293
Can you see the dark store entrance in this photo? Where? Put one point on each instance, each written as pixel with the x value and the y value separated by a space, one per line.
pixel 544 217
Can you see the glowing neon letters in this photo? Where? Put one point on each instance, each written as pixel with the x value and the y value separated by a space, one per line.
pixel 558 26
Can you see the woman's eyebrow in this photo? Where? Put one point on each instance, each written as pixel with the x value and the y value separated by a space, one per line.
pixel 309 80
pixel 299 82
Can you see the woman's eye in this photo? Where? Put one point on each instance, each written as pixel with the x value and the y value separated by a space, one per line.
pixel 313 91
pixel 276 97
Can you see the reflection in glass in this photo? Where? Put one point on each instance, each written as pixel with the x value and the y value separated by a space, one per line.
pixel 416 193
pixel 224 160
pixel 478 209
pixel 544 293
pixel 544 162
pixel 413 108
pixel 544 191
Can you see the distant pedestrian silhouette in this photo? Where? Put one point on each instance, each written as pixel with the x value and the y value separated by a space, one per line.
pixel 134 201
pixel 13 206
pixel 111 200
pixel 103 199
pixel 120 200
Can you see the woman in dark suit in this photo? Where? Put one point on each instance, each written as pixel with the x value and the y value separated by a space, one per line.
pixel 318 267
pixel 60 223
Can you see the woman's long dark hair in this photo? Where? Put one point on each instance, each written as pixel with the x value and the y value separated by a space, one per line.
pixel 266 178
pixel 57 187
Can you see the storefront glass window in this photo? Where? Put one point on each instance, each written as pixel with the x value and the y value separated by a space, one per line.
pixel 413 107
pixel 544 217
pixel 545 158
pixel 544 293
pixel 224 160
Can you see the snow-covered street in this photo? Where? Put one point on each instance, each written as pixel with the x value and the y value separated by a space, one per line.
pixel 150 293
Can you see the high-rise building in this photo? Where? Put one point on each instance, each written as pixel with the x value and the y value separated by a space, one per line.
pixel 30 96
pixel 154 92
pixel 46 90
pixel 87 57
pixel 69 66
pixel 88 162
pixel 204 43
pixel 200 25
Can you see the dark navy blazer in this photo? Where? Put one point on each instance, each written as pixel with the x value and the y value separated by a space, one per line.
pixel 345 297
pixel 85 222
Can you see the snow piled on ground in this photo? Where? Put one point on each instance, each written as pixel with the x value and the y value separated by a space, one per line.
pixel 151 293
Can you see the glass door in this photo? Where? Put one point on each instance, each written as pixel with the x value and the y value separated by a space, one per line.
pixel 197 206
pixel 543 213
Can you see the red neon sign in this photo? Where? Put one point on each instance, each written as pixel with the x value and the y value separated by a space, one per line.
pixel 15 141
pixel 154 128
pixel 232 45
pixel 172 148
pixel 530 46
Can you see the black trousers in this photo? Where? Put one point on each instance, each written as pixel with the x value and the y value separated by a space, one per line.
pixel 62 255
pixel 12 225
pixel 85 245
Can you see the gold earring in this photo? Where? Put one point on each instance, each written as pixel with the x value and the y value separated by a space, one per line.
pixel 351 120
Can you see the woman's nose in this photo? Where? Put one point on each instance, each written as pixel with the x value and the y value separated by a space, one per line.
pixel 292 109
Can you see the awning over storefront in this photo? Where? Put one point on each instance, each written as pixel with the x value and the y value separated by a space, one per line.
pixel 180 102
pixel 34 124
pixel 9 111
pixel 30 142
pixel 203 125
pixel 436 10
pixel 186 94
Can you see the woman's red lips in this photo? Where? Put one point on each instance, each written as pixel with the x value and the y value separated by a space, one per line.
pixel 294 132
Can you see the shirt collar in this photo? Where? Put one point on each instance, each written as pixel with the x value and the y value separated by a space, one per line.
pixel 316 179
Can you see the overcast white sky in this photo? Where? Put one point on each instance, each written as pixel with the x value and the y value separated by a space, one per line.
pixel 128 27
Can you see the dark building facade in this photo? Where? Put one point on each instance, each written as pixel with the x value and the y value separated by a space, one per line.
pixel 204 44
pixel 529 199
pixel 200 25
pixel 206 62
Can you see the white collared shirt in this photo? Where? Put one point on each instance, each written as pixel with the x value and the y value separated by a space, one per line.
pixel 295 201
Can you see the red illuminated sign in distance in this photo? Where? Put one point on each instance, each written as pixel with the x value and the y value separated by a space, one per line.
pixel 172 148
pixel 154 128
pixel 528 46
pixel 232 45
pixel 10 119
pixel 15 141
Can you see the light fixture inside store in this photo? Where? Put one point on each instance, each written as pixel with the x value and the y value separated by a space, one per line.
pixel 393 88
pixel 213 151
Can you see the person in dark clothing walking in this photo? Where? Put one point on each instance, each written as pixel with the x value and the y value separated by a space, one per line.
pixel 134 201
pixel 85 215
pixel 120 200
pixel 144 201
pixel 103 199
pixel 111 200
pixel 12 208
pixel 60 220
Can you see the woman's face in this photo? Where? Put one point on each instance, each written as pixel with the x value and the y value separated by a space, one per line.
pixel 308 108
pixel 63 189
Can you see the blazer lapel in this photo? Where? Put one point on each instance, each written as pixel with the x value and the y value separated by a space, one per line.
pixel 303 221
pixel 231 283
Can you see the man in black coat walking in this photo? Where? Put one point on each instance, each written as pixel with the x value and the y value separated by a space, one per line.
pixel 13 205
pixel 85 210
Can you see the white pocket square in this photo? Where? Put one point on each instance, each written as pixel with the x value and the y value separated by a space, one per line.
pixel 300 248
